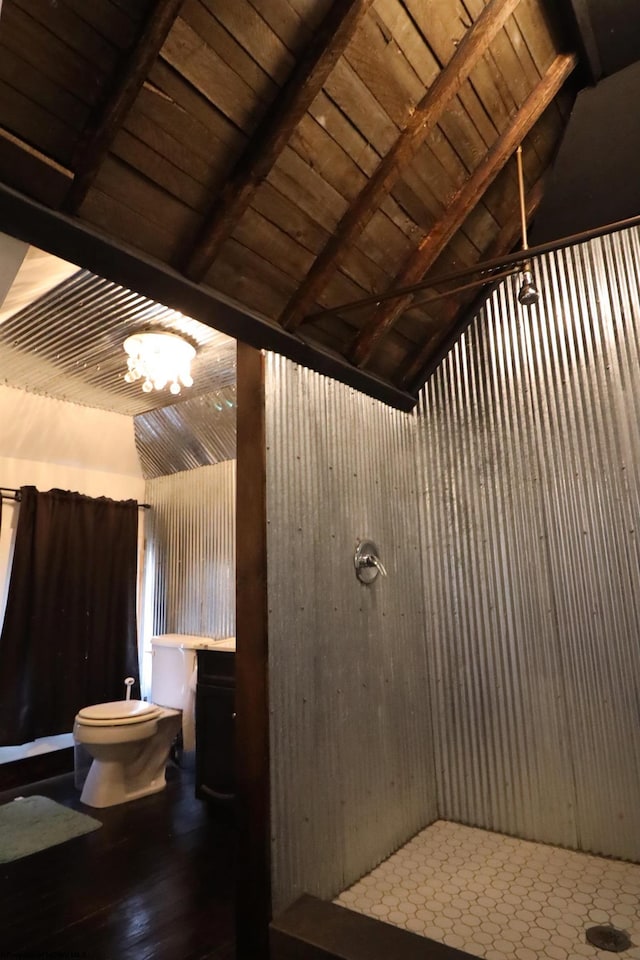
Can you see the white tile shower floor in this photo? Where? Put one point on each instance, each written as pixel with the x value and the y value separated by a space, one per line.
pixel 497 897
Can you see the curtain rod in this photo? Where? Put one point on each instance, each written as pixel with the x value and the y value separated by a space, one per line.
pixel 13 493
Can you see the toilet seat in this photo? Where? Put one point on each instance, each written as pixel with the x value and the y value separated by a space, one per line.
pixel 117 713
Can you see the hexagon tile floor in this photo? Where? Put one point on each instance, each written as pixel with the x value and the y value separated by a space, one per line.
pixel 501 898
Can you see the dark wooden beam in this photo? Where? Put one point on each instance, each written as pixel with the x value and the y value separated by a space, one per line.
pixel 79 243
pixel 105 122
pixel 421 365
pixel 462 203
pixel 273 133
pixel 25 168
pixel 253 884
pixel 426 115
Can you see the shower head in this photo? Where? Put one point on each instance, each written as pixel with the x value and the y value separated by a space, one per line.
pixel 528 292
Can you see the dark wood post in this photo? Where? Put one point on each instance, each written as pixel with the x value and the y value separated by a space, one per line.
pixel 252 713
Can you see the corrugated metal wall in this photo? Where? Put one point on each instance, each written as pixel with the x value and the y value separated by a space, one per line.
pixel 351 749
pixel 531 457
pixel 193 535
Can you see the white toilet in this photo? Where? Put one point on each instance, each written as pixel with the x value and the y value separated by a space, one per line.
pixel 130 740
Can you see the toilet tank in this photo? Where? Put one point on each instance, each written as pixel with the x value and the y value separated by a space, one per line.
pixel 173 665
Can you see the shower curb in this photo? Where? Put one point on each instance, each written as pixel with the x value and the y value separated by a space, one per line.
pixel 313 929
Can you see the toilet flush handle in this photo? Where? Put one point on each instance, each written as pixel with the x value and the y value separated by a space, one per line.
pixel 128 684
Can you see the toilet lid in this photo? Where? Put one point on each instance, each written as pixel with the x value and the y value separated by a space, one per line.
pixel 123 711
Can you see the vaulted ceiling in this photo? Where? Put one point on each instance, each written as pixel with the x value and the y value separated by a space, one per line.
pixel 290 157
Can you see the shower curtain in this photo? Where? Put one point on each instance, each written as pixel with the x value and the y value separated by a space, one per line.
pixel 69 633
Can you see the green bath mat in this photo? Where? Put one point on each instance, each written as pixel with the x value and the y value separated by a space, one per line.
pixel 31 824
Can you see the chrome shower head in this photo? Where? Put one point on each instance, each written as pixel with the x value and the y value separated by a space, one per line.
pixel 528 292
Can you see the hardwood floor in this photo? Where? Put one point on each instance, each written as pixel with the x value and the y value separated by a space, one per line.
pixel 156 882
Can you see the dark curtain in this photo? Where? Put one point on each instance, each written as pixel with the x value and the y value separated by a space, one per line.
pixel 69 633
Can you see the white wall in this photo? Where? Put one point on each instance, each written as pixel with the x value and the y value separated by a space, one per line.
pixel 26 274
pixel 53 444
pixel 12 254
pixel 79 447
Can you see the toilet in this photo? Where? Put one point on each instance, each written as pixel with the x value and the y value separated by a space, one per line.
pixel 130 740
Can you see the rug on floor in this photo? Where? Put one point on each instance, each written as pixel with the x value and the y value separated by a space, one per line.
pixel 30 824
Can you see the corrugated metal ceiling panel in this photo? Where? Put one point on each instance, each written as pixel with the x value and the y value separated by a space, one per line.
pixel 197 432
pixel 68 345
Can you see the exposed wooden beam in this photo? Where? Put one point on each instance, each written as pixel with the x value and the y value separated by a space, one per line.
pixel 106 120
pixel 25 168
pixel 426 115
pixel 461 205
pixel 77 242
pixel 274 132
pixel 437 345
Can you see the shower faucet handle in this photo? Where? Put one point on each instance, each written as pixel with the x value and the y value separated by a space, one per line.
pixel 373 561
pixel 367 562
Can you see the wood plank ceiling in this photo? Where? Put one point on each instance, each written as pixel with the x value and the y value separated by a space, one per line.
pixel 293 155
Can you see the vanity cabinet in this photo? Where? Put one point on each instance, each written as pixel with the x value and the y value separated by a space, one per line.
pixel 215 716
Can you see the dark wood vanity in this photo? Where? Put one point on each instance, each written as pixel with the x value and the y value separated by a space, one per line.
pixel 215 716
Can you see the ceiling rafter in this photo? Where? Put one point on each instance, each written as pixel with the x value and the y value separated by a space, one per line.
pixel 413 373
pixel 105 122
pixel 461 204
pixel 148 181
pixel 23 167
pixel 426 115
pixel 274 132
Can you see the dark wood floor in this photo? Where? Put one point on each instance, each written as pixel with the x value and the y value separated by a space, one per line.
pixel 156 882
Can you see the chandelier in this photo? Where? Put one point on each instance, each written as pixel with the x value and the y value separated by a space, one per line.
pixel 159 358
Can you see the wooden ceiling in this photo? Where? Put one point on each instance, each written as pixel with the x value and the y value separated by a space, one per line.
pixel 293 155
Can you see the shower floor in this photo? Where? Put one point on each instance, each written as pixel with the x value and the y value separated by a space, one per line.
pixel 498 897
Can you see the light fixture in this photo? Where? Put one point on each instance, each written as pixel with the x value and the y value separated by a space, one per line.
pixel 159 358
pixel 528 292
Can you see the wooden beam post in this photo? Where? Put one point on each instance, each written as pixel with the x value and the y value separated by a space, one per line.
pixel 275 129
pixel 105 122
pixel 253 896
pixel 426 115
pixel 462 203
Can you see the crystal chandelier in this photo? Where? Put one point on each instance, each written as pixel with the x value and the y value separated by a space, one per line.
pixel 159 358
